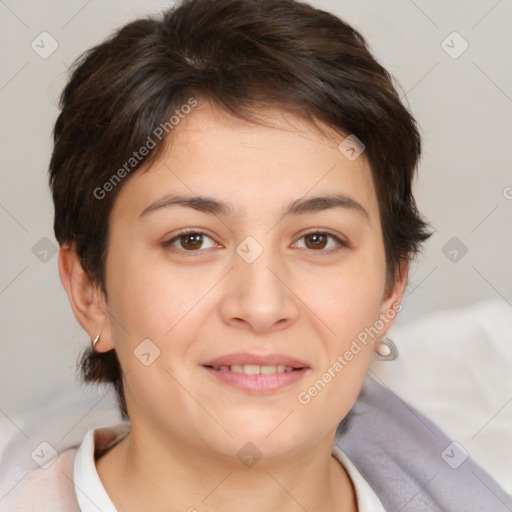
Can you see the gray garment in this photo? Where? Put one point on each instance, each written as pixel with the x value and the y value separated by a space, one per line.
pixel 410 464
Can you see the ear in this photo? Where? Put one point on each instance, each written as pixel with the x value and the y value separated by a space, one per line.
pixel 392 302
pixel 87 300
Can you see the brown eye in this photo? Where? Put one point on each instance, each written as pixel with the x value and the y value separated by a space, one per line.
pixel 319 242
pixel 316 240
pixel 188 241
pixel 191 241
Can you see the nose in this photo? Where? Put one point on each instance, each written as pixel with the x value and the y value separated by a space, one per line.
pixel 258 296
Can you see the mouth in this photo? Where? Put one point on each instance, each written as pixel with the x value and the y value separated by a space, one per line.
pixel 256 374
pixel 254 369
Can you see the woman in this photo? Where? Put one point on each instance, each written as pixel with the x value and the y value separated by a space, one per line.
pixel 233 204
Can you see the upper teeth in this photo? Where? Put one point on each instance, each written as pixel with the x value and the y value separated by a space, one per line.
pixel 254 369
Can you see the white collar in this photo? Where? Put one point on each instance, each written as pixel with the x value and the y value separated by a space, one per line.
pixel 90 493
pixel 367 500
pixel 92 496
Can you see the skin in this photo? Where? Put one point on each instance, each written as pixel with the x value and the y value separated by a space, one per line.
pixel 296 298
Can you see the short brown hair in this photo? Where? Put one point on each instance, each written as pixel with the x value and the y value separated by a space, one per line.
pixel 243 55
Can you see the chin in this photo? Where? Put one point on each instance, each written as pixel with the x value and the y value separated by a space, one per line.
pixel 271 438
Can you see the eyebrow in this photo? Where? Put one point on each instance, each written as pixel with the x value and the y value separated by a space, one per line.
pixel 301 206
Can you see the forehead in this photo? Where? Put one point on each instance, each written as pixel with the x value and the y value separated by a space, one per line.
pixel 250 166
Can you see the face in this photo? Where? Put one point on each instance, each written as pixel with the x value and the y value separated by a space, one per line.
pixel 246 328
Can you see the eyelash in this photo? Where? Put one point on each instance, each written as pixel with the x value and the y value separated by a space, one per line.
pixel 168 244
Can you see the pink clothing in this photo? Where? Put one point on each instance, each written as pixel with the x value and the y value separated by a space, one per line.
pixel 45 490
pixel 58 485
pixel 70 482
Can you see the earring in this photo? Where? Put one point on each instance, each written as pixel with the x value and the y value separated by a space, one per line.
pixel 94 341
pixel 385 350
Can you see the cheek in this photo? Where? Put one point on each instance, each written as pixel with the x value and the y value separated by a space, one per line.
pixel 152 312
pixel 349 299
pixel 150 298
pixel 348 303
pixel 330 392
pixel 158 301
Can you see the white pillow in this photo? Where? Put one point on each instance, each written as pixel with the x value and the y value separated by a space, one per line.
pixel 455 367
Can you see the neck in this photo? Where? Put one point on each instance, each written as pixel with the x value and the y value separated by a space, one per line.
pixel 139 475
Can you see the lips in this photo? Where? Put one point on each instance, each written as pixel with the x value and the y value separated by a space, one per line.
pixel 256 374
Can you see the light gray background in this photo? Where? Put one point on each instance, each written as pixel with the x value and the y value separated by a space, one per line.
pixel 463 106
